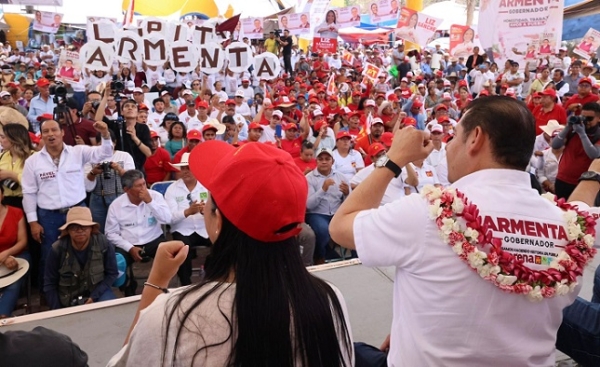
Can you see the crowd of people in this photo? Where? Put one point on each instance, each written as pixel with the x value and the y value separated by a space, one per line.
pixel 77 175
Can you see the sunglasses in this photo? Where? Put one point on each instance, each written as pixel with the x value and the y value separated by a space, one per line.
pixel 76 228
pixel 189 198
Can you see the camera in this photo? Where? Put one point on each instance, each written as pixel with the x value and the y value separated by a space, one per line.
pixel 59 90
pixel 578 120
pixel 117 86
pixel 10 184
pixel 106 170
pixel 277 32
pixel 95 105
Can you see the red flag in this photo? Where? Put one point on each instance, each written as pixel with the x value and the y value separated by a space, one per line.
pixel 228 25
pixel 129 14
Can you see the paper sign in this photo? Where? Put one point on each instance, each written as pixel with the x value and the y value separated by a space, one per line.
pixel 239 56
pixel 96 55
pixel 371 71
pixel 589 44
pixel 267 66
pixel 212 57
pixel 183 55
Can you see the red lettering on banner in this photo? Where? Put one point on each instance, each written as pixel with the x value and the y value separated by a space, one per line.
pixel 521 3
pixel 525 228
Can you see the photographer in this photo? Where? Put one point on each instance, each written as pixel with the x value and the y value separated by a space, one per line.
pixel 78 131
pixel 286 42
pixel 103 180
pixel 91 105
pixel 132 137
pixel 581 139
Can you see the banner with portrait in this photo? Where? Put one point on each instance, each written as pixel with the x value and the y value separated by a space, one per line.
pixel 318 13
pixel 69 66
pixel 383 10
pixel 513 29
pixel 348 16
pixel 296 23
pixel 253 28
pixel 589 44
pixel 47 22
pixel 463 40
pixel 416 27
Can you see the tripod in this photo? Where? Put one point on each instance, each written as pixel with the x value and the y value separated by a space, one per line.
pixel 61 113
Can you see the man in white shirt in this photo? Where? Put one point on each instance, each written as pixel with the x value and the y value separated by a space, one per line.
pixel 438 154
pixel 189 117
pixel 53 181
pixel 435 289
pixel 335 62
pixel 186 199
pixel 479 76
pixel 133 223
pixel 156 118
pixel 241 106
pixel 247 89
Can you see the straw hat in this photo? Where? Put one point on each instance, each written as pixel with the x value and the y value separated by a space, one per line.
pixel 78 215
pixel 551 127
pixel 8 277
pixel 10 115
pixel 185 158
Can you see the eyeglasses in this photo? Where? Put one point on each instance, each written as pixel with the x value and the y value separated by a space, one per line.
pixel 76 228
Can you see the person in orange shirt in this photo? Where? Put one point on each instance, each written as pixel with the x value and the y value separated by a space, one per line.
pixel 363 143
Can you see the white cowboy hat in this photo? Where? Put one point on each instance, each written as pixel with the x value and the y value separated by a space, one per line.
pixel 8 277
pixel 551 127
pixel 185 159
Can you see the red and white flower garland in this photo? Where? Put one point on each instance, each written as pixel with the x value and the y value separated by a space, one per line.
pixel 462 228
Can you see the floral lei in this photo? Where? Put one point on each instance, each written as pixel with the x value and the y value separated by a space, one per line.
pixel 462 228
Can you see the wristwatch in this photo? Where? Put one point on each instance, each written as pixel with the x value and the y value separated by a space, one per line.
pixel 590 176
pixel 384 161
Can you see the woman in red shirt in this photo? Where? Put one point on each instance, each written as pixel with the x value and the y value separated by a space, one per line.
pixel 306 162
pixel 157 166
pixel 13 242
pixel 464 97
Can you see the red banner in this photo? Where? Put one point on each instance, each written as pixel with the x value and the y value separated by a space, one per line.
pixel 324 44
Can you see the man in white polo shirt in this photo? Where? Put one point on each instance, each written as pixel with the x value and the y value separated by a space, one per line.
pixel 53 181
pixel 241 105
pixel 186 199
pixel 444 312
pixel 133 223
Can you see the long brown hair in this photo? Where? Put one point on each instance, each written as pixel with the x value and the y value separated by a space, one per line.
pixel 20 140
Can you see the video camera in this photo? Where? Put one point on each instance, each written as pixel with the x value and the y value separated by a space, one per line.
pixel 59 91
pixel 277 32
pixel 579 120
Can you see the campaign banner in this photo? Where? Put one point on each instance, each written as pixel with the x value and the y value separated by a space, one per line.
pixel 329 28
pixel 253 28
pixel 348 16
pixel 463 40
pixel 324 44
pixel 296 23
pixel 45 21
pixel 589 44
pixel 416 27
pixel 321 17
pixel 509 29
pixel 69 66
pixel 383 10
pixel 371 71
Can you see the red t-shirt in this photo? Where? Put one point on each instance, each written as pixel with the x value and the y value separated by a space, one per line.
pixel 574 161
pixel 577 99
pixel 178 155
pixel 9 233
pixel 541 118
pixel 305 165
pixel 85 129
pixel 157 166
pixel 292 146
pixel 365 142
pixel 330 113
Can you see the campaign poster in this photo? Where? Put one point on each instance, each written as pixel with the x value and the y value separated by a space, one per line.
pixel 462 40
pixel 46 22
pixel 69 66
pixel 416 27
pixel 506 28
pixel 371 71
pixel 384 10
pixel 253 28
pixel 320 15
pixel 348 16
pixel 329 28
pixel 324 44
pixel 589 44
pixel 296 23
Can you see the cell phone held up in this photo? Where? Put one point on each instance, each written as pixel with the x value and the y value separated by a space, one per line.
pixel 278 131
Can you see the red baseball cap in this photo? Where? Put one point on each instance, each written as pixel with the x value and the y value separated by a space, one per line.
pixel 206 128
pixel 44 117
pixel 43 82
pixel 441 107
pixel 406 93
pixel 244 201
pixel 583 80
pixel 376 148
pixel 255 125
pixel 485 93
pixel 143 107
pixel 443 119
pixel 387 138
pixel 194 135
pixel 153 134
pixel 230 101
pixel 548 92
pixel 202 104
pixel 343 134
pixel 417 104
pixel 409 121
pixel 290 127
pixel 462 83
pixel 319 125
pixel 392 98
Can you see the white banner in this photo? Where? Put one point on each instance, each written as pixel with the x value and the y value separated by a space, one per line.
pixel 514 29
pixel 295 23
pixel 383 10
pixel 416 27
pixel 348 16
pixel 47 22
pixel 253 28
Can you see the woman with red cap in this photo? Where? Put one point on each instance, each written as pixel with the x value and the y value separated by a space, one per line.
pixel 257 305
